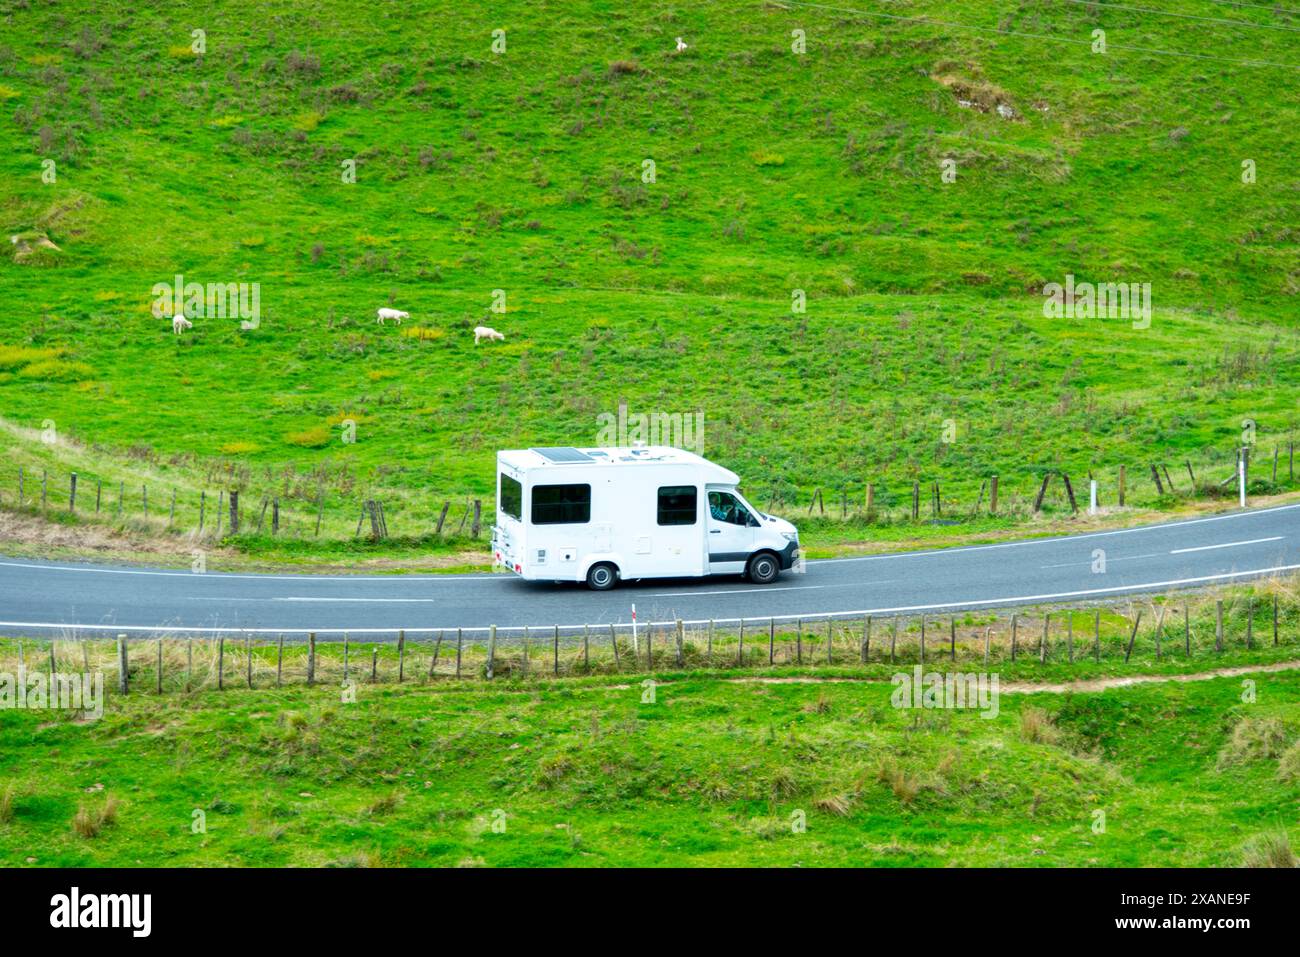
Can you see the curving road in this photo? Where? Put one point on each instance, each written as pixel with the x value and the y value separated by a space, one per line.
pixel 45 598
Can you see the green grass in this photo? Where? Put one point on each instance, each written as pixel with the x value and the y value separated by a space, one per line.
pixel 522 172
pixel 711 773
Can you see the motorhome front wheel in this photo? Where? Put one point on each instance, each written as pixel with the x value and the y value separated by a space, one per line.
pixel 763 569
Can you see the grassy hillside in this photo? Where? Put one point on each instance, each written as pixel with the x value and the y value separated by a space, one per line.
pixel 709 773
pixel 522 171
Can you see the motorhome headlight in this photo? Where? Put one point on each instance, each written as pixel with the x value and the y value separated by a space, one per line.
pixel 790 536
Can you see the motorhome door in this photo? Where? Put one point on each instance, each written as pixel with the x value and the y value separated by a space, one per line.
pixel 731 532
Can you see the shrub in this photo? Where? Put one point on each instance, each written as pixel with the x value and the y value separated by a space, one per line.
pixel 316 437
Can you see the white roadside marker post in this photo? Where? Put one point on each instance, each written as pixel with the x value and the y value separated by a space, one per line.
pixel 1092 501
pixel 1241 477
pixel 634 640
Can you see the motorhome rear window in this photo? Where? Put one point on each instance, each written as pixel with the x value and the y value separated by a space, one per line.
pixel 561 504
pixel 677 505
pixel 512 497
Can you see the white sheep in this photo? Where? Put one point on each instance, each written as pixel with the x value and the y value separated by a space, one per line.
pixel 387 313
pixel 681 45
pixel 180 324
pixel 486 332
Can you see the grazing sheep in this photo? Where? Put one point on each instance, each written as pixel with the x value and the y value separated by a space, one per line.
pixel 681 45
pixel 180 324
pixel 391 314
pixel 486 332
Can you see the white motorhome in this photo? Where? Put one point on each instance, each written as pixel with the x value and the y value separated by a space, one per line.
pixel 598 515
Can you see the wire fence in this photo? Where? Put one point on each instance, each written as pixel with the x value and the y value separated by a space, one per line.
pixel 1264 622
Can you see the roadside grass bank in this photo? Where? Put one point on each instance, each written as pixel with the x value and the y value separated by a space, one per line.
pixel 700 772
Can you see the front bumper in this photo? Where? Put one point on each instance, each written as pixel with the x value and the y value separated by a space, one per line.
pixel 789 554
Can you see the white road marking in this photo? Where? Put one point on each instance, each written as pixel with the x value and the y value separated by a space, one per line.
pixel 1003 601
pixel 1206 548
pixel 745 591
pixel 1055 539
pixel 1121 558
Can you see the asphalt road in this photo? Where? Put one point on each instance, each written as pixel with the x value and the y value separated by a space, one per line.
pixel 44 598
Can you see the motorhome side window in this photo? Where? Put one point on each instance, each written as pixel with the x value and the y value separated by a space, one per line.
pixel 677 505
pixel 561 504
pixel 725 507
pixel 512 497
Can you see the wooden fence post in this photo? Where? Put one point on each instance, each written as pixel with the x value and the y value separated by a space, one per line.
pixel 1121 486
pixel 234 512
pixel 311 658
pixel 1013 636
pixel 798 641
pixel 123 681
pixel 1250 623
pixel 1187 631
pixel 893 640
pixel 279 660
pixel 993 495
pixel 680 662
pixel 492 651
pixel 830 644
pixel 401 655
pixel 433 662
pixel 1275 620
pixel 248 660
pixel 346 657
pixel 866 639
pixel 374 664
pixel 923 639
pixel 157 677
pixel 1133 637
pixel 72 492
pixel 952 639
pixel 221 662
pixel 771 641
pixel 556 668
pixel 1096 635
pixel 1042 491
pixel 740 649
pixel 1042 642
pixel 459 644
pixel 613 641
pixel 1218 625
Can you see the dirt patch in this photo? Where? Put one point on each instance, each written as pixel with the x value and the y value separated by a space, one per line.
pixel 28 532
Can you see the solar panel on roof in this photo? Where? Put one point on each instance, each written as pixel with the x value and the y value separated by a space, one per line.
pixel 563 455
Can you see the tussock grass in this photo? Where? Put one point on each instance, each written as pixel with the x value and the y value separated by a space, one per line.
pixel 1038 727
pixel 92 818
pixel 1272 849
pixel 8 795
pixel 1253 739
